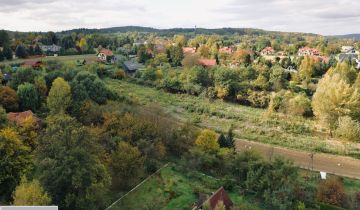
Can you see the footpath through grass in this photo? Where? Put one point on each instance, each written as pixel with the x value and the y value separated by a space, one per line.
pixel 248 123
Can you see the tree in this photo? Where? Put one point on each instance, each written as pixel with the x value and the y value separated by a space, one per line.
pixel 175 55
pixel 4 38
pixel 143 54
pixel 334 98
pixel 30 194
pixel 127 166
pixel 204 51
pixel 8 52
pixel 160 59
pixel 59 98
pixel 69 166
pixel 331 191
pixel 8 98
pixel 3 117
pixel 20 51
pixel 180 40
pixel 348 129
pixel 15 161
pixel 207 141
pixel 2 57
pixel 190 60
pixel 28 97
pixel 228 140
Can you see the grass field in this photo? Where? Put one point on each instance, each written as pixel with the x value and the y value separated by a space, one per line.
pixel 248 123
pixel 51 58
pixel 170 189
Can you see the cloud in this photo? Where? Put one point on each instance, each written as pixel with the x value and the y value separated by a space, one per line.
pixel 320 16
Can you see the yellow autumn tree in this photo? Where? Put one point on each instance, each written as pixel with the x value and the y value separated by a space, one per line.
pixel 335 98
pixel 30 194
pixel 207 141
pixel 59 96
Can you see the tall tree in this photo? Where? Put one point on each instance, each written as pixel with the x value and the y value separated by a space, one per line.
pixel 8 53
pixel 69 165
pixel 21 52
pixel 59 98
pixel 15 161
pixel 28 97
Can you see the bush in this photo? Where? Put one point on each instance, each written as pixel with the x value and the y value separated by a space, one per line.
pixel 259 99
pixel 298 105
pixel 348 129
pixel 331 191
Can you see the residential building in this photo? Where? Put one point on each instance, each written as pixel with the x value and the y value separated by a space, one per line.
pixel 50 48
pixel 267 51
pixel 207 62
pixel 226 50
pixel 307 51
pixel 214 200
pixel 32 64
pixel 106 56
pixel 348 49
pixel 189 50
pixel 132 66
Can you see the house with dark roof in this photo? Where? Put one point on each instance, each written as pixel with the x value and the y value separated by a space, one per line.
pixel 106 56
pixel 212 202
pixel 132 66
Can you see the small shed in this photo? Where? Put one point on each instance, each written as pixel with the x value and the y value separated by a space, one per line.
pixel 219 196
pixel 132 66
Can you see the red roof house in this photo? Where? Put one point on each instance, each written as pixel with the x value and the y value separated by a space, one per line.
pixel 226 50
pixel 207 62
pixel 267 51
pixel 189 50
pixel 214 200
pixel 308 51
pixel 106 56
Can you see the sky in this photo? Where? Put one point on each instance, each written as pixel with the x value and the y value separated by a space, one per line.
pixel 326 17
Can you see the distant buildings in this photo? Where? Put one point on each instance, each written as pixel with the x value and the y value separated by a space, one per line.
pixel 189 50
pixel 207 62
pixel 267 51
pixel 50 48
pixel 348 50
pixel 307 51
pixel 226 50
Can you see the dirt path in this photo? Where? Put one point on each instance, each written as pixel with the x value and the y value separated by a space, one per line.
pixel 338 165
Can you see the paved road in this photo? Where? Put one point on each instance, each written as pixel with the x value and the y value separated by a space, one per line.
pixel 338 165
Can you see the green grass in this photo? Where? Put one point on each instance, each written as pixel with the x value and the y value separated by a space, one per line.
pixel 48 58
pixel 171 189
pixel 248 123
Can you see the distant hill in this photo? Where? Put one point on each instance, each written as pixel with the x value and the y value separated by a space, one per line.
pixel 349 36
pixel 172 31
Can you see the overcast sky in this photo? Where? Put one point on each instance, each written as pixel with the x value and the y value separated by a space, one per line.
pixel 325 17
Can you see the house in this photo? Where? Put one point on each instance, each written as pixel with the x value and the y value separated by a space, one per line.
pixel 106 56
pixel 267 51
pixel 308 51
pixel 214 200
pixel 132 66
pixel 18 118
pixel 32 64
pixel 189 50
pixel 7 77
pixel 226 50
pixel 207 62
pixel 348 49
pixel 50 48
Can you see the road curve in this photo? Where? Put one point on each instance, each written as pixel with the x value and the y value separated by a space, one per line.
pixel 333 164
